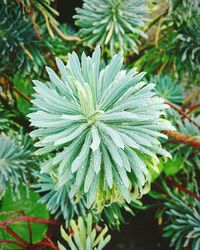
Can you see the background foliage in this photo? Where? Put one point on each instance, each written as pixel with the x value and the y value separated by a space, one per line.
pixel 91 106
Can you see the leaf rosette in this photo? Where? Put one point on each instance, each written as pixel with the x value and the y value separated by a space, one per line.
pixel 116 24
pixel 15 156
pixel 99 124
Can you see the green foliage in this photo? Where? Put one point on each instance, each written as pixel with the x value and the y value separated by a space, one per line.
pixel 18 44
pixel 168 89
pixel 15 156
pixel 84 236
pixel 42 6
pixel 97 124
pixel 4 120
pixel 59 48
pixel 176 50
pixel 173 166
pixel 29 205
pixel 190 155
pixel 113 214
pixel 188 41
pixel 181 10
pixel 58 200
pixel 113 23
pixel 23 83
pixel 100 123
pixel 183 224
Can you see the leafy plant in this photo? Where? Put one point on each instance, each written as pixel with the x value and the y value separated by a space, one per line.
pixel 99 124
pixel 41 6
pixel 168 89
pixel 189 42
pixel 15 156
pixel 112 23
pixel 113 214
pixel 177 41
pixel 58 200
pixel 5 122
pixel 181 10
pixel 183 224
pixel 18 44
pixel 23 222
pixel 84 236
pixel 100 127
pixel 190 155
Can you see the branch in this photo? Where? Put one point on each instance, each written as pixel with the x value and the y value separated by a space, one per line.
pixel 11 242
pixel 22 213
pixel 63 36
pixel 35 27
pixel 47 242
pixel 182 138
pixel 14 235
pixel 182 113
pixel 185 190
pixel 192 108
pixel 28 219
pixel 156 20
pixel 21 94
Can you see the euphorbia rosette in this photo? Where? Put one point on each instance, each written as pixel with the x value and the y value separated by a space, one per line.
pixel 116 24
pixel 99 123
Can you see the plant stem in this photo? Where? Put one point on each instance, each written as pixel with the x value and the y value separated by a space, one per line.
pixel 156 20
pixel 185 190
pixel 14 235
pixel 21 94
pixel 182 138
pixel 28 222
pixel 192 108
pixel 11 242
pixel 29 219
pixel 37 33
pixel 182 113
pixel 63 36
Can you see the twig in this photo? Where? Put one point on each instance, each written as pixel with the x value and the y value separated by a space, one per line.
pixel 14 235
pixel 11 242
pixel 162 68
pixel 182 138
pixel 63 36
pixel 156 20
pixel 182 113
pixel 35 27
pixel 192 108
pixel 158 31
pixel 29 219
pixel 47 23
pixel 28 222
pixel 185 190
pixel 21 94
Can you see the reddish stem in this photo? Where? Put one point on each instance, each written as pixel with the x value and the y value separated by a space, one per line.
pixel 14 235
pixel 11 242
pixel 21 94
pixel 29 219
pixel 182 113
pixel 46 242
pixel 182 138
pixel 193 108
pixel 35 26
pixel 185 190
pixel 28 223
